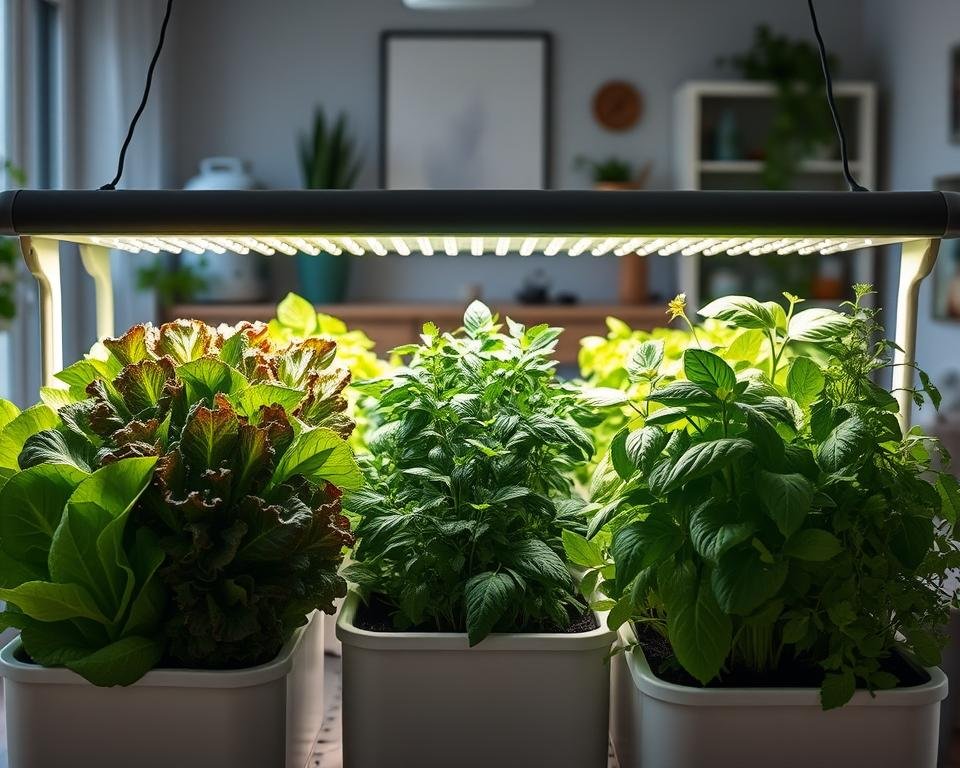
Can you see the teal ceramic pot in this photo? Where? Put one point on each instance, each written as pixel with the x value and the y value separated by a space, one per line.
pixel 323 278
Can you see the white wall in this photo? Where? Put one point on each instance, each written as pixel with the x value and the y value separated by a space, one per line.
pixel 908 46
pixel 249 73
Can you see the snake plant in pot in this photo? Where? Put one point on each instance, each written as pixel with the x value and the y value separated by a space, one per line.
pixel 172 524
pixel 778 546
pixel 465 619
pixel 328 160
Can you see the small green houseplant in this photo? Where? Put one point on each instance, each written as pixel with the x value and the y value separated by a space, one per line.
pixel 802 121
pixel 329 159
pixel 613 173
pixel 460 560
pixel 770 523
pixel 175 504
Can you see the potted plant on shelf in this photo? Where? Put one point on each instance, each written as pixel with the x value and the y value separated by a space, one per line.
pixel 777 549
pixel 328 160
pixel 613 173
pixel 466 620
pixel 172 526
pixel 802 126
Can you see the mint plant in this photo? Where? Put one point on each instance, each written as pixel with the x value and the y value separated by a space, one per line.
pixel 772 512
pixel 467 483
pixel 182 502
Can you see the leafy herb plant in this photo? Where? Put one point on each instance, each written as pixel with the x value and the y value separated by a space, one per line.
pixel 468 490
pixel 772 513
pixel 603 362
pixel 179 500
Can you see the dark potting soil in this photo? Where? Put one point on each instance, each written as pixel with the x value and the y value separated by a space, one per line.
pixel 792 673
pixel 376 616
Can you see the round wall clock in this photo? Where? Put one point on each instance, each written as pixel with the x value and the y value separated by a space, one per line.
pixel 617 105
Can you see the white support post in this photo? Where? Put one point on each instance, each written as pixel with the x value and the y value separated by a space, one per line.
pixel 43 260
pixel 917 258
pixel 96 260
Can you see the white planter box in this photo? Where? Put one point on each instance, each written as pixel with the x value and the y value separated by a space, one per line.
pixel 655 724
pixel 428 700
pixel 261 717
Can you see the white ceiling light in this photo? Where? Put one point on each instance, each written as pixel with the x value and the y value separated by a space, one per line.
pixel 463 5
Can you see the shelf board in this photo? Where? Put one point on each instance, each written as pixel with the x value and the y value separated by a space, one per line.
pixel 756 166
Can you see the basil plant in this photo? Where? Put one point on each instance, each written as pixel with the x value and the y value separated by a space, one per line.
pixel 468 483
pixel 176 501
pixel 770 512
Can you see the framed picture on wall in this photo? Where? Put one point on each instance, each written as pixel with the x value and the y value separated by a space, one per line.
pixel 946 272
pixel 466 110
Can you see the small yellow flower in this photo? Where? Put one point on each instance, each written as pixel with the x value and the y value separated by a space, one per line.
pixel 678 306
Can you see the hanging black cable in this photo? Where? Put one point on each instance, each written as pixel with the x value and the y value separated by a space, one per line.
pixel 143 101
pixel 852 184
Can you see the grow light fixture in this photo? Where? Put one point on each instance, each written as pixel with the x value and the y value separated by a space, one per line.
pixel 453 223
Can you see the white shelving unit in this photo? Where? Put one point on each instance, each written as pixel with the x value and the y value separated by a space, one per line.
pixel 698 107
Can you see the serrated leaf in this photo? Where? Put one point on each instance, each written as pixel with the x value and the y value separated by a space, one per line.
pixel 837 689
pixel 487 596
pixel 534 557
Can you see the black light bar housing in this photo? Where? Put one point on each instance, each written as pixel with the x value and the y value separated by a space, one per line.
pixel 296 212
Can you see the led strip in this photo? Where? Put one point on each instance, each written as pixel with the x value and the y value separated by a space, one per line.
pixel 476 245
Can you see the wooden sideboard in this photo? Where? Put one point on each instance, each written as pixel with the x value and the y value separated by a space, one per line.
pixel 391 325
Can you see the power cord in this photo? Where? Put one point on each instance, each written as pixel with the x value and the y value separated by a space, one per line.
pixel 852 184
pixel 143 101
